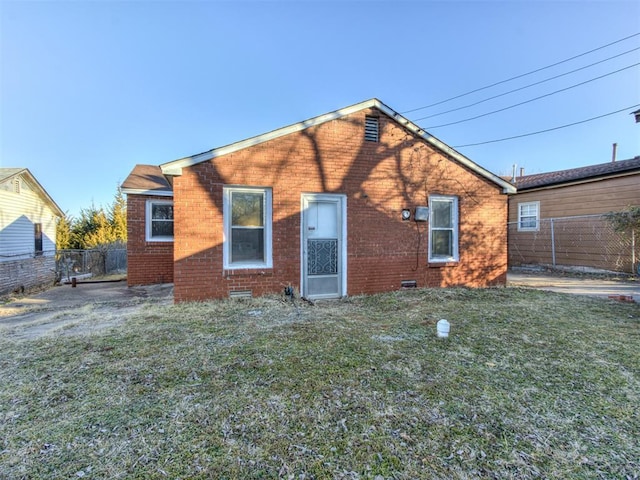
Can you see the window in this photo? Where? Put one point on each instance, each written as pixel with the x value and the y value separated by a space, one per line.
pixel 247 227
pixel 529 217
pixel 37 234
pixel 443 229
pixel 371 126
pixel 159 223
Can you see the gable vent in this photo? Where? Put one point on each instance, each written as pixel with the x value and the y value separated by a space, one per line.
pixel 371 129
pixel 16 185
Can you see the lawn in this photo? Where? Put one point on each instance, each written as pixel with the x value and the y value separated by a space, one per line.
pixel 528 385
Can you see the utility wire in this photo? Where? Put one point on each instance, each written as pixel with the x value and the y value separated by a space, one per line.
pixel 530 85
pixel 531 99
pixel 522 75
pixel 548 129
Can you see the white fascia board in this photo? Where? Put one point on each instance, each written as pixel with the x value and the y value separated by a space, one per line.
pixel 443 147
pixel 54 206
pixel 175 167
pixel 157 193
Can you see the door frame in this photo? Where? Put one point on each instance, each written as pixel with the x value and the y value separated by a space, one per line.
pixel 342 240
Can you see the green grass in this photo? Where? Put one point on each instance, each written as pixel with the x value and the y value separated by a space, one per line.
pixel 529 385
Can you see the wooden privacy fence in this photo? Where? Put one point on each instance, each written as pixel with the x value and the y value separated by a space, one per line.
pixel 587 241
pixel 97 262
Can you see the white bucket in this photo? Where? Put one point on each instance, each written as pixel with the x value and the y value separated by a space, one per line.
pixel 443 328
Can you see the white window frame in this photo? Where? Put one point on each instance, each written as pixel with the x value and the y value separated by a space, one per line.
pixel 267 228
pixel 149 220
pixel 454 228
pixel 521 218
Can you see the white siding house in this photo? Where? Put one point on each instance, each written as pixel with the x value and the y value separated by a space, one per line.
pixel 28 218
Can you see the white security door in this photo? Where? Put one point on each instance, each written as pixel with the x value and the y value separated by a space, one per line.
pixel 323 246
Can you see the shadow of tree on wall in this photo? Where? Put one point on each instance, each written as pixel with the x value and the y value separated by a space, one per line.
pixel 378 179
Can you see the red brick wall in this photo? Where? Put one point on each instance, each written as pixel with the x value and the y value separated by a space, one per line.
pixel 378 179
pixel 147 262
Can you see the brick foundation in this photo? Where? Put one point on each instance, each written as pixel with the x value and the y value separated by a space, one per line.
pixel 27 274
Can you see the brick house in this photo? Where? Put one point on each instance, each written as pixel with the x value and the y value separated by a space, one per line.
pixel 359 200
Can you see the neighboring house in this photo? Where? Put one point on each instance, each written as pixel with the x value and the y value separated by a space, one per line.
pixel 28 218
pixel 556 218
pixel 359 200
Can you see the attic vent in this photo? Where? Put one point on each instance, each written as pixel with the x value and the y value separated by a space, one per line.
pixel 371 129
pixel 16 185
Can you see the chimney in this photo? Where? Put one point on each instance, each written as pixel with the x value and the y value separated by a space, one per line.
pixel 522 171
pixel 513 173
pixel 613 154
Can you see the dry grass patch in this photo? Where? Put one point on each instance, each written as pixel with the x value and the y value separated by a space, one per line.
pixel 529 385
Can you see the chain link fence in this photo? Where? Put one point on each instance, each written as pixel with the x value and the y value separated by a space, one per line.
pixel 588 242
pixel 75 263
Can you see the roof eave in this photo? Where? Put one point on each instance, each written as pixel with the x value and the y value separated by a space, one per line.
pixel 54 206
pixel 140 191
pixel 174 168
pixel 578 181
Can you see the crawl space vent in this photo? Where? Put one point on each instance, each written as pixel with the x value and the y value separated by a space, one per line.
pixel 240 294
pixel 371 129
pixel 408 284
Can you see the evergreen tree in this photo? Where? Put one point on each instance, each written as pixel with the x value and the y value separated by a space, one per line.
pixel 118 216
pixel 95 227
pixel 84 225
pixel 102 232
pixel 63 232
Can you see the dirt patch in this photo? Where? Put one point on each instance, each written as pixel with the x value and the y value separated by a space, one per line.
pixel 66 310
pixel 594 286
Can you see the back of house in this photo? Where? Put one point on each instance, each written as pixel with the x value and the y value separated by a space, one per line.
pixel 359 200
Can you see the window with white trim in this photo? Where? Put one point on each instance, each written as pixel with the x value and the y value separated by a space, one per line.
pixel 247 227
pixel 159 221
pixel 529 217
pixel 443 228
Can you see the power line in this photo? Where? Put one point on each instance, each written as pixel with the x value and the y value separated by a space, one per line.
pixel 531 99
pixel 548 129
pixel 522 75
pixel 530 85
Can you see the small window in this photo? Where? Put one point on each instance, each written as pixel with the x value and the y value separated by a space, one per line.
pixel 443 228
pixel 529 217
pixel 247 227
pixel 371 126
pixel 37 234
pixel 159 224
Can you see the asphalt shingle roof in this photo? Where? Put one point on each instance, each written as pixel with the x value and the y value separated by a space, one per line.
pixel 147 177
pixel 603 170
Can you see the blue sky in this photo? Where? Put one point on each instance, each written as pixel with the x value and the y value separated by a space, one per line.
pixel 89 89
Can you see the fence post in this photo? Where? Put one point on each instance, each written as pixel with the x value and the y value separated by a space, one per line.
pixel 633 253
pixel 553 245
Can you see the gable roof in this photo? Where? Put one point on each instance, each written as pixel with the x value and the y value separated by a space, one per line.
pixel 7 174
pixel 577 175
pixel 147 180
pixel 175 167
